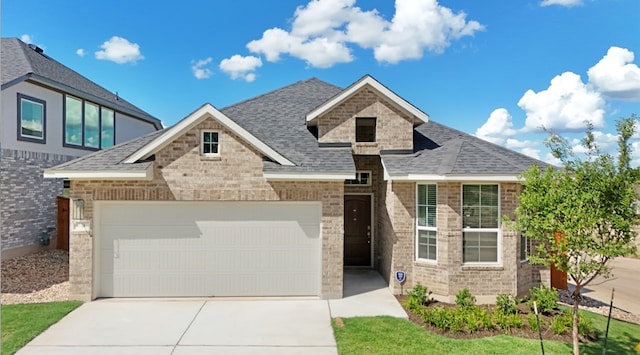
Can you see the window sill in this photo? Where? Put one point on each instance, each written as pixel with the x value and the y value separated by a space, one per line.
pixel 366 144
pixel 482 267
pixel 211 157
pixel 425 262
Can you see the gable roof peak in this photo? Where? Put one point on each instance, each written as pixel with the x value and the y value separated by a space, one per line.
pixel 368 81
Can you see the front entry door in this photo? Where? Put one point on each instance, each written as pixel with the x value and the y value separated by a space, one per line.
pixel 357 230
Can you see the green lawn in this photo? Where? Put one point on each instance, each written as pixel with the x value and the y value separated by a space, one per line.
pixel 23 322
pixel 387 335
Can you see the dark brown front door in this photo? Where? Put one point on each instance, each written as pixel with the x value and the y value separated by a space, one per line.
pixel 357 230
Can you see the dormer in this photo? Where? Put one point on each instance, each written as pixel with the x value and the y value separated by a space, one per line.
pixel 369 116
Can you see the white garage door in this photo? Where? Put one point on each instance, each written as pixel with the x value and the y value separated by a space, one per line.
pixel 173 249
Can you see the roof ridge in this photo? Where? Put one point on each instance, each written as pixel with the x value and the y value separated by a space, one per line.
pixel 274 90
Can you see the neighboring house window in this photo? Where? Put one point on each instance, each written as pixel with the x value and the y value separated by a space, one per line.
pixel 88 125
pixel 363 178
pixel 426 234
pixel 32 119
pixel 524 247
pixel 210 143
pixel 480 223
pixel 365 129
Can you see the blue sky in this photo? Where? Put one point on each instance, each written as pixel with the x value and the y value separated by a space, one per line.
pixel 498 71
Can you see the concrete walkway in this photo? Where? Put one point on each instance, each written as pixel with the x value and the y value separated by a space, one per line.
pixel 215 326
pixel 625 279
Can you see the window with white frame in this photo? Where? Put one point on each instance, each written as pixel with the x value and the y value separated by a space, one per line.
pixel 31 119
pixel 480 223
pixel 426 223
pixel 363 178
pixel 210 143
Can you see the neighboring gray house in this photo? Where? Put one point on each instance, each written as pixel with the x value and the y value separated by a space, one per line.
pixel 50 114
pixel 276 195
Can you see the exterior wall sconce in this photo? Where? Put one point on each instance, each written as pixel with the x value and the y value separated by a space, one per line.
pixel 78 209
pixel 78 222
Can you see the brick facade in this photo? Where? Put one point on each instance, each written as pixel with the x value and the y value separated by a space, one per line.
pixel 448 275
pixel 28 200
pixel 394 130
pixel 182 174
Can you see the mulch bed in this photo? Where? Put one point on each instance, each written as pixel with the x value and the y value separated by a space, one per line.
pixel 524 332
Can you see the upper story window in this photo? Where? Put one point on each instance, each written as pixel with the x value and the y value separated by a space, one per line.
pixel 32 118
pixel 88 125
pixel 426 223
pixel 210 143
pixel 480 223
pixel 363 178
pixel 365 129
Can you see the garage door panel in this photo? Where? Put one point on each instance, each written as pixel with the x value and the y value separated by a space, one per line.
pixel 209 249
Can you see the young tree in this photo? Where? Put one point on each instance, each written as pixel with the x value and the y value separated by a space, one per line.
pixel 582 215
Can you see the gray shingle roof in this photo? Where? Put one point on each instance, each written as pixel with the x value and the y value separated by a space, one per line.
pixel 441 150
pixel 110 159
pixel 278 119
pixel 20 62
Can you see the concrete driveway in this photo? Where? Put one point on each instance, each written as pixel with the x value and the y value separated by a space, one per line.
pixel 214 326
pixel 625 279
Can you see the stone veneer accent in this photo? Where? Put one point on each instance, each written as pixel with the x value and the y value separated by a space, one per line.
pixel 28 199
pixel 180 173
pixel 394 130
pixel 448 275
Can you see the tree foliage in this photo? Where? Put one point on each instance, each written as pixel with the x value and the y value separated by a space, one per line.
pixel 582 215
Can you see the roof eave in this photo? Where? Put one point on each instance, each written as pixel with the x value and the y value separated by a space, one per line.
pixel 146 174
pixel 68 89
pixel 453 177
pixel 308 176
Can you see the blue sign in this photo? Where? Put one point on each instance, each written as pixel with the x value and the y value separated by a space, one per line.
pixel 401 276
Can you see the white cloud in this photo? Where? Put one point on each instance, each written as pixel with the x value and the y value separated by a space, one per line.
pixel 322 31
pixel 80 52
pixel 565 3
pixel 498 126
pixel 615 75
pixel 26 38
pixel 239 67
pixel 564 106
pixel 119 50
pixel 199 70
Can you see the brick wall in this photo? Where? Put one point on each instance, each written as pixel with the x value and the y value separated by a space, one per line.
pixel 180 173
pixel 394 130
pixel 28 199
pixel 449 275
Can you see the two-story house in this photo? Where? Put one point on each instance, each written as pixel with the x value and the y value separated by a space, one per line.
pixel 276 195
pixel 50 115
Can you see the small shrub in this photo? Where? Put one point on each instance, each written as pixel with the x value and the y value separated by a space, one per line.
pixel 561 323
pixel 585 327
pixel 507 322
pixel 546 299
pixel 464 298
pixel 418 297
pixel 458 323
pixel 439 317
pixel 506 303
pixel 477 318
pixel 533 323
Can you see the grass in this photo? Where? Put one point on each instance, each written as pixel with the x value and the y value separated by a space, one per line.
pixel 387 335
pixel 23 322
